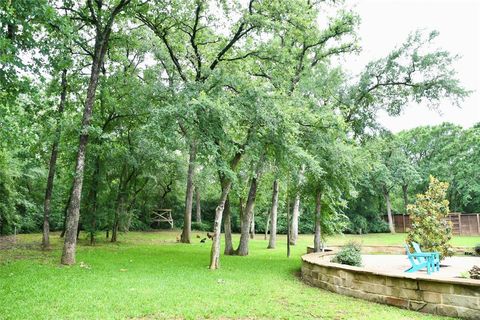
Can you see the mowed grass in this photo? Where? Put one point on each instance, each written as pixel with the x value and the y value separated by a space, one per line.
pixel 149 276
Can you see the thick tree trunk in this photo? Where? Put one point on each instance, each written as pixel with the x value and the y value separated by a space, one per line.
pixel 405 197
pixel 242 249
pixel 217 225
pixel 273 216
pixel 101 43
pixel 317 242
pixel 252 225
pixel 93 200
pixel 198 211
pixel 386 195
pixel 68 254
pixel 296 209
pixel 295 217
pixel 52 165
pixel 267 226
pixel 187 218
pixel 227 226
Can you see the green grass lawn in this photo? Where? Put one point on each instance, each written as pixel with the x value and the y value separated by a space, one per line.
pixel 149 276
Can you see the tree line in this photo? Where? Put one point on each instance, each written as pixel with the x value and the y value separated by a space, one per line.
pixel 239 111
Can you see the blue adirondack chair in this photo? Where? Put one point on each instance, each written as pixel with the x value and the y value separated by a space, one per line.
pixel 436 256
pixel 419 261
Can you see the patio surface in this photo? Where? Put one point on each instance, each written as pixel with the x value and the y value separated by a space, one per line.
pixel 450 267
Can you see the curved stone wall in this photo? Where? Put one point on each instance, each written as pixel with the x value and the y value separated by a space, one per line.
pixel 448 297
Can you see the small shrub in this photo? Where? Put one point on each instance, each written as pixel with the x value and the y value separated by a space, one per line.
pixel 477 249
pixel 349 255
pixel 201 226
pixel 475 272
pixel 358 225
pixel 378 225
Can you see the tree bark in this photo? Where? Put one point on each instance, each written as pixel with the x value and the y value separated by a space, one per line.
pixel 273 216
pixel 187 218
pixel 227 226
pixel 93 200
pixel 52 165
pixel 101 43
pixel 386 195
pixel 242 249
pixel 296 209
pixel 267 226
pixel 317 242
pixel 252 225
pixel 405 197
pixel 198 211
pixel 217 225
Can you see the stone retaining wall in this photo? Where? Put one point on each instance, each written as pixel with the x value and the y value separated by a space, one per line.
pixel 448 297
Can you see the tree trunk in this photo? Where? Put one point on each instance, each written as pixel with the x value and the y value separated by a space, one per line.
pixel 386 195
pixel 405 197
pixel 217 225
pixel 52 165
pixel 93 200
pixel 227 226
pixel 296 209
pixel 267 226
pixel 198 211
pixel 252 225
pixel 295 216
pixel 68 254
pixel 273 216
pixel 242 249
pixel 65 212
pixel 187 218
pixel 101 43
pixel 317 242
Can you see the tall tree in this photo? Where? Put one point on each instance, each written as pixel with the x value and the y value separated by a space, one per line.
pixel 102 19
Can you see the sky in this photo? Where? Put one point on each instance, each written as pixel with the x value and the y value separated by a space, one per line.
pixel 385 24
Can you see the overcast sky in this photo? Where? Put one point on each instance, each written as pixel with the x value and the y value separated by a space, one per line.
pixel 387 23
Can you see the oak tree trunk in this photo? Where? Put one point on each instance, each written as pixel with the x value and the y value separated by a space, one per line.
pixel 273 216
pixel 198 211
pixel 217 225
pixel 386 195
pixel 267 226
pixel 52 165
pixel 405 197
pixel 252 225
pixel 101 43
pixel 187 217
pixel 92 199
pixel 227 226
pixel 317 242
pixel 246 219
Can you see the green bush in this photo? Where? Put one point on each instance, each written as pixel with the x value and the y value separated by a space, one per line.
pixel 358 225
pixel 428 215
pixel 349 255
pixel 201 226
pixel 378 225
pixel 477 249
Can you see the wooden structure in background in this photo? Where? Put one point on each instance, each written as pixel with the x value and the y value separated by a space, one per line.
pixel 163 215
pixel 465 224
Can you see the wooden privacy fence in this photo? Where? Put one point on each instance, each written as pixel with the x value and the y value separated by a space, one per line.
pixel 466 224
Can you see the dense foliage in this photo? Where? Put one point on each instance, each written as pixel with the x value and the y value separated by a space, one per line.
pixel 110 110
pixel 428 215
pixel 349 254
